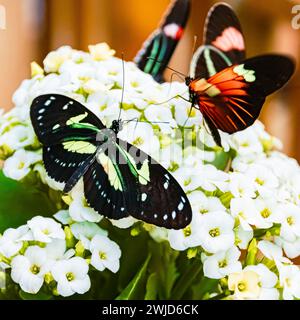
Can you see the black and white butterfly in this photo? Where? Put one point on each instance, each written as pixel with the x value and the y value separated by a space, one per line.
pixel 119 179
pixel 159 47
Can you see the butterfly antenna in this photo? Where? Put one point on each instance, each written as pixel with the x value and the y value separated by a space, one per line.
pixel 123 86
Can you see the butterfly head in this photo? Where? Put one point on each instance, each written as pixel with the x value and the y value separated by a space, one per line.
pixel 116 126
pixel 188 80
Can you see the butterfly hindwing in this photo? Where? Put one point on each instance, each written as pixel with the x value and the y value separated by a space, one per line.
pixel 223 43
pixel 232 99
pixel 161 200
pixel 159 47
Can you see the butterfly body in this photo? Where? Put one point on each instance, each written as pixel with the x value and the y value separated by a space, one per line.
pixel 119 179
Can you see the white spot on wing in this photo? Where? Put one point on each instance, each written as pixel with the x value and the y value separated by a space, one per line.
pixel 174 215
pixel 166 185
pixel 165 217
pixel 144 197
pixel 180 206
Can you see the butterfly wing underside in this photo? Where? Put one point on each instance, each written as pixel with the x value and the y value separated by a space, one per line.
pixel 232 99
pixel 223 43
pixel 159 47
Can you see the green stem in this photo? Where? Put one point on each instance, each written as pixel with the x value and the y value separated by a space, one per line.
pixel 186 279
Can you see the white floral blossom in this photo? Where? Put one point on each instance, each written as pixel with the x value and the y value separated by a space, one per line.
pixel 71 276
pixel 86 231
pixel 28 270
pixel 79 209
pixel 18 165
pixel 45 229
pixel 222 263
pixel 216 231
pixel 11 241
pixel 105 254
pixel 267 282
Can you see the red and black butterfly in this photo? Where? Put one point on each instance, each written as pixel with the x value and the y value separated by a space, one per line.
pixel 159 47
pixel 229 90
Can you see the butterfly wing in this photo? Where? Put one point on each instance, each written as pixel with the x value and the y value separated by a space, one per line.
pixel 159 47
pixel 232 99
pixel 68 133
pixel 223 43
pixel 56 118
pixel 136 184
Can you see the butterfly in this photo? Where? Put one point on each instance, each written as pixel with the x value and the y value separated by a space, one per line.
pixel 119 179
pixel 159 47
pixel 228 89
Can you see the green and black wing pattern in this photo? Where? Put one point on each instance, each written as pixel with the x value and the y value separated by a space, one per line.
pixel 159 47
pixel 223 43
pixel 119 179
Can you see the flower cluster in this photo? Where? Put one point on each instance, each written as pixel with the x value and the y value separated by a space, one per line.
pixel 42 252
pixel 245 196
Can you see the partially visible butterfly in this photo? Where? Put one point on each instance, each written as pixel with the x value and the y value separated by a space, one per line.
pixel 229 90
pixel 119 179
pixel 159 47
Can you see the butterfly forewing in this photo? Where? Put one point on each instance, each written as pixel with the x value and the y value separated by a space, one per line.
pixel 56 118
pixel 159 47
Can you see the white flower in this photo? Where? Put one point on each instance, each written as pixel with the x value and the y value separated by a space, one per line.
pixel 105 254
pixel 289 276
pixel 185 114
pixel 243 237
pixel 29 270
pixel 18 137
pixel 244 284
pixel 85 231
pixel 246 142
pixel 63 217
pixel 222 263
pixel 57 250
pixel 216 231
pixel 142 136
pixel 71 276
pixel 268 213
pixel 79 209
pixel 11 241
pixel 54 59
pixel 45 229
pixel 245 211
pixel 18 165
pixel 241 186
pixel 290 225
pixel 291 249
pixel 265 180
pixel 267 282
pixel 203 204
pixel 101 51
pixel 123 223
pixel 272 251
pixel 207 139
pixel 185 238
pixel 161 116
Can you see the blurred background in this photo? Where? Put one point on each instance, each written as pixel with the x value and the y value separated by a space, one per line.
pixel 34 27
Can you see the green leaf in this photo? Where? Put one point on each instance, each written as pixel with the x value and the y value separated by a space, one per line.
pixel 20 202
pixel 39 296
pixel 136 285
pixel 151 287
